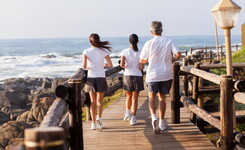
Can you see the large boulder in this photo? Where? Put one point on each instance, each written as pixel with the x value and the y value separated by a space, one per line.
pixel 13 99
pixel 10 130
pixel 3 118
pixel 39 110
pixel 23 117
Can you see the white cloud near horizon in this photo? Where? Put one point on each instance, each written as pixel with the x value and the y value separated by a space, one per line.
pixel 79 18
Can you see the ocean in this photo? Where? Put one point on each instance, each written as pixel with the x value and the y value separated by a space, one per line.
pixel 61 57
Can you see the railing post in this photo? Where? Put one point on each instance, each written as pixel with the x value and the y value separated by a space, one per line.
pixel 221 52
pixel 75 114
pixel 42 138
pixel 175 108
pixel 206 53
pixel 211 56
pixel 185 80
pixel 243 35
pixel 226 112
pixel 194 92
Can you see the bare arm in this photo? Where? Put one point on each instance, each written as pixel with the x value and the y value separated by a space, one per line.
pixel 122 63
pixel 142 66
pixel 142 61
pixel 177 56
pixel 84 64
pixel 108 63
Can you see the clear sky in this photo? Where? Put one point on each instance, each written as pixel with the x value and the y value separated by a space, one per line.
pixel 79 18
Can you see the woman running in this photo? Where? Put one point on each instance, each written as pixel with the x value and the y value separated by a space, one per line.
pixel 94 61
pixel 132 78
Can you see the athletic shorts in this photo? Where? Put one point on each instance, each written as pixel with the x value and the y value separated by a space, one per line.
pixel 133 83
pixel 96 84
pixel 162 87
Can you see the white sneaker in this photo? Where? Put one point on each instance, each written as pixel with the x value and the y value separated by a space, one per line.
pixel 99 124
pixel 162 125
pixel 93 126
pixel 133 121
pixel 155 126
pixel 127 116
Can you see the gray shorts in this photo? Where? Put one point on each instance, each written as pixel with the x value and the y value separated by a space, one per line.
pixel 162 87
pixel 133 83
pixel 96 84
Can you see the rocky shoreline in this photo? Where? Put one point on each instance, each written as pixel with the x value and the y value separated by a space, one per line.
pixel 24 103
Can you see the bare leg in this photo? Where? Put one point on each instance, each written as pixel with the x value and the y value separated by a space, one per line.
pixel 100 96
pixel 152 102
pixel 93 105
pixel 162 105
pixel 128 100
pixel 135 103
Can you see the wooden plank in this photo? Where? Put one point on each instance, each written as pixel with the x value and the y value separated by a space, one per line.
pixel 203 74
pixel 119 135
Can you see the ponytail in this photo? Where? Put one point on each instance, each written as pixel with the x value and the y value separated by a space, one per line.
pixel 133 39
pixel 94 39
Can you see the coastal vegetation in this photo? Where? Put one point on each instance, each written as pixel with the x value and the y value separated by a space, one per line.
pixel 239 74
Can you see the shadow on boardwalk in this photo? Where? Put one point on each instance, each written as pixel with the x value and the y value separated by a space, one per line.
pixel 119 135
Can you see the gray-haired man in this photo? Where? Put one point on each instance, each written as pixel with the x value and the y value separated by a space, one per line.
pixel 159 52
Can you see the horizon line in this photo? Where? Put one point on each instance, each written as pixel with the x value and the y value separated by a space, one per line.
pixel 26 38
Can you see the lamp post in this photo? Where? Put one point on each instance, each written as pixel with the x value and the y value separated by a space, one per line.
pixel 226 13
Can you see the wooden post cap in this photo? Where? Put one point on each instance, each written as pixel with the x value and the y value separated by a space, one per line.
pixel 61 91
pixel 74 81
pixel 44 137
pixel 226 76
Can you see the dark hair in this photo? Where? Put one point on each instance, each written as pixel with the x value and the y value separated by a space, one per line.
pixel 94 39
pixel 133 39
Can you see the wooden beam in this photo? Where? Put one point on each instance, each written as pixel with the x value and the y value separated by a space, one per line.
pixel 218 66
pixel 55 113
pixel 200 112
pixel 239 97
pixel 112 71
pixel 203 74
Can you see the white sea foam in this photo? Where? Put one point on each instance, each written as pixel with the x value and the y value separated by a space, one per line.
pixel 40 66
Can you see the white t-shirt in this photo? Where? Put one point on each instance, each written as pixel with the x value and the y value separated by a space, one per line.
pixel 131 62
pixel 96 61
pixel 159 52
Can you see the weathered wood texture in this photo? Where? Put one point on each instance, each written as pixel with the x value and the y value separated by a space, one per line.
pixel 75 114
pixel 62 90
pixel 218 66
pixel 113 70
pixel 51 138
pixel 175 94
pixel 203 74
pixel 119 135
pixel 239 97
pixel 226 112
pixel 200 112
pixel 55 113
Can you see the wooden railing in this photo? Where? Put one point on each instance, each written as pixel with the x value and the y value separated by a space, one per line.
pixel 207 54
pixel 66 113
pixel 191 98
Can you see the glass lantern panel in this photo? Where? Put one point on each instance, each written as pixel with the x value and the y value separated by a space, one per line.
pixel 226 18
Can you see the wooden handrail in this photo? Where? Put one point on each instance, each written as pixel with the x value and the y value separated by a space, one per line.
pixel 203 74
pixel 200 112
pixel 239 97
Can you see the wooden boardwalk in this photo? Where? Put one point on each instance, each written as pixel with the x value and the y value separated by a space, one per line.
pixel 119 135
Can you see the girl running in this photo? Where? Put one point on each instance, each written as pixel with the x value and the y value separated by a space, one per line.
pixel 94 61
pixel 132 78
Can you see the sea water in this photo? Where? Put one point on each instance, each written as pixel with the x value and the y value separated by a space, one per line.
pixel 21 58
